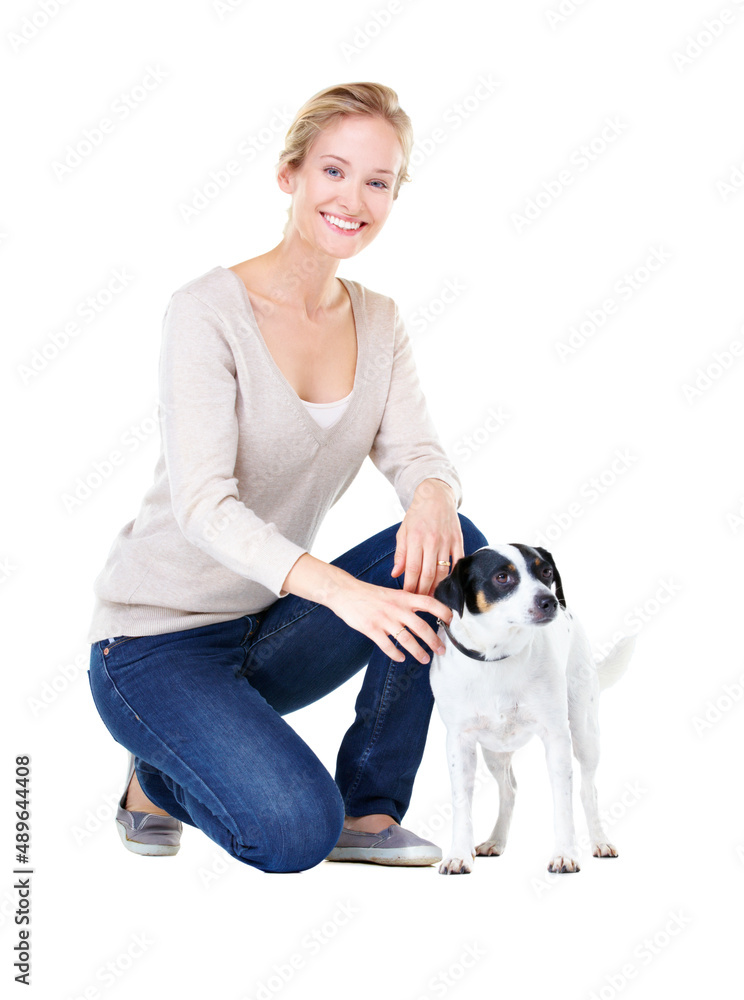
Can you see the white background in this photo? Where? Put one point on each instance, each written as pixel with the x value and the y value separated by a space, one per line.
pixel 662 537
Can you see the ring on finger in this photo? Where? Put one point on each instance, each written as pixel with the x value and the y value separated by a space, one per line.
pixel 399 631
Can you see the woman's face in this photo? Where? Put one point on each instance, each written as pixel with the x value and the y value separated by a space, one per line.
pixel 349 173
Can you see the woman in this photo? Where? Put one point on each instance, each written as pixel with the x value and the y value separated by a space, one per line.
pixel 277 379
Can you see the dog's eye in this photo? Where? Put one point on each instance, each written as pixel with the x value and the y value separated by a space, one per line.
pixel 501 578
pixel 547 573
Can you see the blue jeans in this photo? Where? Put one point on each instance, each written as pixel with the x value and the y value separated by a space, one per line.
pixel 201 709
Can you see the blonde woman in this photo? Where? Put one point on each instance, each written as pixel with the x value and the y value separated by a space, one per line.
pixel 212 619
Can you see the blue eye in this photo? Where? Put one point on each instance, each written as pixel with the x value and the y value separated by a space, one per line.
pixel 382 184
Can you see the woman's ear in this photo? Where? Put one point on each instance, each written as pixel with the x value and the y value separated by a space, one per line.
pixel 285 178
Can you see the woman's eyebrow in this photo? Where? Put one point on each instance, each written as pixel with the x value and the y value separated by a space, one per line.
pixel 346 163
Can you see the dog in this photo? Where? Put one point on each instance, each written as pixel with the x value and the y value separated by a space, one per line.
pixel 517 664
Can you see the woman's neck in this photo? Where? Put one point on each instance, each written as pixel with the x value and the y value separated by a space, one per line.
pixel 300 277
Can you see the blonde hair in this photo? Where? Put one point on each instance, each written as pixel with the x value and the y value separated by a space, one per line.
pixel 333 103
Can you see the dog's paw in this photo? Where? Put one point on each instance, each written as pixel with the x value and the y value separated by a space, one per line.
pixel 456 866
pixel 563 865
pixel 490 849
pixel 604 851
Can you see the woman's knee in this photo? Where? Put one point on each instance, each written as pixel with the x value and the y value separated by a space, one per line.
pixel 301 828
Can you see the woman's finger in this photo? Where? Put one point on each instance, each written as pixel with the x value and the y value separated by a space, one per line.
pixel 428 576
pixel 399 560
pixel 389 649
pixel 417 628
pixel 442 569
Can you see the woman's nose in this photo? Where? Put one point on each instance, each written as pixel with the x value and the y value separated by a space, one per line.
pixel 352 201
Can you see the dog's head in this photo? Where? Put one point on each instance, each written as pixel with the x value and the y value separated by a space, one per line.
pixel 504 587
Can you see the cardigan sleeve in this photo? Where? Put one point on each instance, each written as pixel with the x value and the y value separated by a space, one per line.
pixel 199 428
pixel 407 449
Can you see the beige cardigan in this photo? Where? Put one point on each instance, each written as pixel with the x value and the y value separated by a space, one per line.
pixel 245 474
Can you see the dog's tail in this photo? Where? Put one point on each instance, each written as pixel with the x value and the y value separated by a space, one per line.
pixel 614 665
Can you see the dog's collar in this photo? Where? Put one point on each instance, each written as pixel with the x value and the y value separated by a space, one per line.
pixel 472 653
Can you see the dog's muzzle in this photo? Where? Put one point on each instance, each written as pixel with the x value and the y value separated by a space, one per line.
pixel 544 610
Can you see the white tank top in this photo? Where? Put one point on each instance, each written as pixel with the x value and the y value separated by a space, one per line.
pixel 327 414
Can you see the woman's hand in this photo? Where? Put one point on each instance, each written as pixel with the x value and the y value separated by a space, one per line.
pixel 429 533
pixel 382 612
pixel 377 612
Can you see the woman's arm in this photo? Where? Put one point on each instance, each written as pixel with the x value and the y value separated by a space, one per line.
pixel 199 428
pixel 377 612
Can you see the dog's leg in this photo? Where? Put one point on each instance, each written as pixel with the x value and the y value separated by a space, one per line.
pixel 499 764
pixel 461 756
pixel 585 735
pixel 560 770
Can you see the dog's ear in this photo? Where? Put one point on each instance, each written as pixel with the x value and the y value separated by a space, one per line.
pixel 556 575
pixel 451 590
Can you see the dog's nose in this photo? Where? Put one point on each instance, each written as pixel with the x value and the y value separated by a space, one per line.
pixel 547 603
pixel 544 609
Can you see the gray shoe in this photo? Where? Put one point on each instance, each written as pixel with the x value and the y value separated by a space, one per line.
pixel 143 832
pixel 391 846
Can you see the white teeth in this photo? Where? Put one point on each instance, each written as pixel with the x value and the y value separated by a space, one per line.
pixel 341 223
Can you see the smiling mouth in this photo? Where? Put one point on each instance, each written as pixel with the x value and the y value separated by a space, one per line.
pixel 341 225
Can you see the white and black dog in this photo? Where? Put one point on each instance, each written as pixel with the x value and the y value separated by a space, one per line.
pixel 518 664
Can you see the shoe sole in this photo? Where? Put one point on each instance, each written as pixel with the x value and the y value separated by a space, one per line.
pixel 407 856
pixel 146 850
